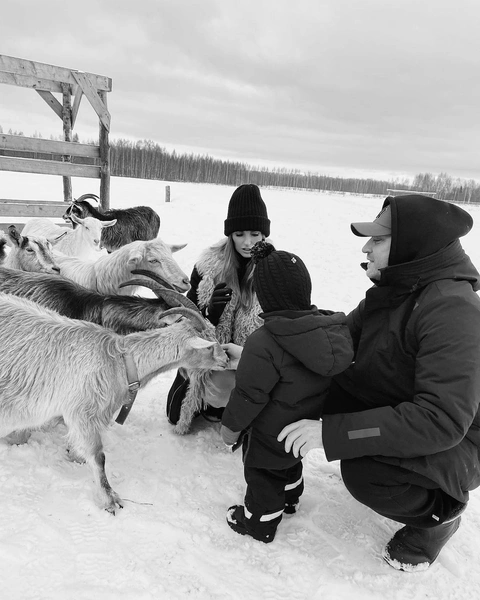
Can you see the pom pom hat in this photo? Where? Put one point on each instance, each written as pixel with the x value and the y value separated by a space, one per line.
pixel 281 279
pixel 247 211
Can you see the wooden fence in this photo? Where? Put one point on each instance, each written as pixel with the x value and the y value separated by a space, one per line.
pixel 49 157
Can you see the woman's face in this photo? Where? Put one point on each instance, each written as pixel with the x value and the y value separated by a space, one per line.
pixel 245 240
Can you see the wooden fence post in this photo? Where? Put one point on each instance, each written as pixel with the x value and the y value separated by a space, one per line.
pixel 167 193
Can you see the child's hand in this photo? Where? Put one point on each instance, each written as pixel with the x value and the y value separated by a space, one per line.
pixel 234 352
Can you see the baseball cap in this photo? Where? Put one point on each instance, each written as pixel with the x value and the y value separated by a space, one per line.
pixel 382 225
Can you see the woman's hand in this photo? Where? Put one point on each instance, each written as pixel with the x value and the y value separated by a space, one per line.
pixel 302 436
pixel 234 352
pixel 221 296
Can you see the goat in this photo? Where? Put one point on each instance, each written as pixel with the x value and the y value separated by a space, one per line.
pixel 53 367
pixel 199 380
pixel 32 253
pixel 82 242
pixel 136 223
pixel 122 314
pixel 107 273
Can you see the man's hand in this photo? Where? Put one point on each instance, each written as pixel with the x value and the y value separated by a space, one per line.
pixel 302 436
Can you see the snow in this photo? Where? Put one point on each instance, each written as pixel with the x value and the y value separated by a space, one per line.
pixel 171 540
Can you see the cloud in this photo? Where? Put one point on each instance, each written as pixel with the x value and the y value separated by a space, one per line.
pixel 329 86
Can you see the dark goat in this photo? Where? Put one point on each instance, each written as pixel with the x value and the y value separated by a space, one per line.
pixel 136 223
pixel 122 314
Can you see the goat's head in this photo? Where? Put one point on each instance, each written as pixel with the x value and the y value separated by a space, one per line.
pixel 81 208
pixel 201 353
pixel 156 256
pixel 32 253
pixel 90 229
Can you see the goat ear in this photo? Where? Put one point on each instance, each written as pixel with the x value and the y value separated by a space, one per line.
pixel 134 257
pixel 198 343
pixel 176 247
pixel 76 218
pixel 14 235
pixel 108 223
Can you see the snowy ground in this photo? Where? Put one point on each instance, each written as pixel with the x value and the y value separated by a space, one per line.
pixel 171 540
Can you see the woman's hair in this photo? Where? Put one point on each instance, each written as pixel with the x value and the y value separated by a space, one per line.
pixel 228 273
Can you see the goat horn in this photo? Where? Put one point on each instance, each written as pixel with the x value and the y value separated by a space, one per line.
pixel 171 297
pixel 194 315
pixel 85 196
pixel 153 276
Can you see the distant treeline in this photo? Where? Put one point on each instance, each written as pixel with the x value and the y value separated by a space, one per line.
pixel 146 159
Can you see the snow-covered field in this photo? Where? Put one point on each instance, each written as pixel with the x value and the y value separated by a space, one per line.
pixel 171 540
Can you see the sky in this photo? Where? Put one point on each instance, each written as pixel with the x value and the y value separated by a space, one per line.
pixel 370 88
pixel 171 540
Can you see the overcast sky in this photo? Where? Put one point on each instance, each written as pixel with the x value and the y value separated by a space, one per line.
pixel 340 87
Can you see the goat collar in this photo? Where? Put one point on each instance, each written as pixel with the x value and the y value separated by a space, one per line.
pixel 133 387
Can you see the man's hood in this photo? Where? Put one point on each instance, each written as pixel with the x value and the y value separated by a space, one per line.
pixel 421 226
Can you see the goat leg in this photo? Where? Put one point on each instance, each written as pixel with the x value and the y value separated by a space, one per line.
pixel 88 443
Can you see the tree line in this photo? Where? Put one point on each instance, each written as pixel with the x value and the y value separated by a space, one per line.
pixel 146 159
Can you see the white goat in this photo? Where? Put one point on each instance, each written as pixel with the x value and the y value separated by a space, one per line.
pixel 53 367
pixel 32 253
pixel 107 273
pixel 82 242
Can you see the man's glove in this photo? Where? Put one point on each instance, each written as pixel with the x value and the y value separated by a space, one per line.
pixel 221 296
pixel 229 437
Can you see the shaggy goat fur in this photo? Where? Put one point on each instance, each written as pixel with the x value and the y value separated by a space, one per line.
pixel 122 314
pixel 82 242
pixel 107 273
pixel 136 223
pixel 53 367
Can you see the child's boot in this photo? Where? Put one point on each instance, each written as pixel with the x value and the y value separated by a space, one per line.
pixel 261 527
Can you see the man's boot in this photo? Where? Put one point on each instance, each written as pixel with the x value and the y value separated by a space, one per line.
pixel 413 549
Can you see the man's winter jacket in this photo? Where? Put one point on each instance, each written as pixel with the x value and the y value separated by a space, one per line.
pixel 417 357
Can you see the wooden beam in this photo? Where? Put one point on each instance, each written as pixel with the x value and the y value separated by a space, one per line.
pixel 27 81
pixel 76 104
pixel 31 208
pixel 52 102
pixel 19 66
pixel 28 144
pixel 48 167
pixel 93 97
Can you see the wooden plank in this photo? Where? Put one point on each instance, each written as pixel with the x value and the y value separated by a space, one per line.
pixel 52 102
pixel 27 81
pixel 23 201
pixel 19 66
pixel 48 167
pixel 93 97
pixel 49 209
pixel 21 143
pixel 76 104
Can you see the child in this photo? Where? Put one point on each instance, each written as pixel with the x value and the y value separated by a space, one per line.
pixel 283 376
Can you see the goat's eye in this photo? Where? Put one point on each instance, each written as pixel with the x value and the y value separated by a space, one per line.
pixel 152 260
pixel 27 249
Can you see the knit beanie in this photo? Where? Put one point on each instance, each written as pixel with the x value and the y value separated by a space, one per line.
pixel 247 211
pixel 281 279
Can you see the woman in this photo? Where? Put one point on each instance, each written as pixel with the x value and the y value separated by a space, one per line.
pixel 222 288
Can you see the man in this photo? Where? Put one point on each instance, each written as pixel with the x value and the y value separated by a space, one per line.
pixel 404 418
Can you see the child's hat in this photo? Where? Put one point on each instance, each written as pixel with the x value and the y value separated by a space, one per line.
pixel 247 211
pixel 281 280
